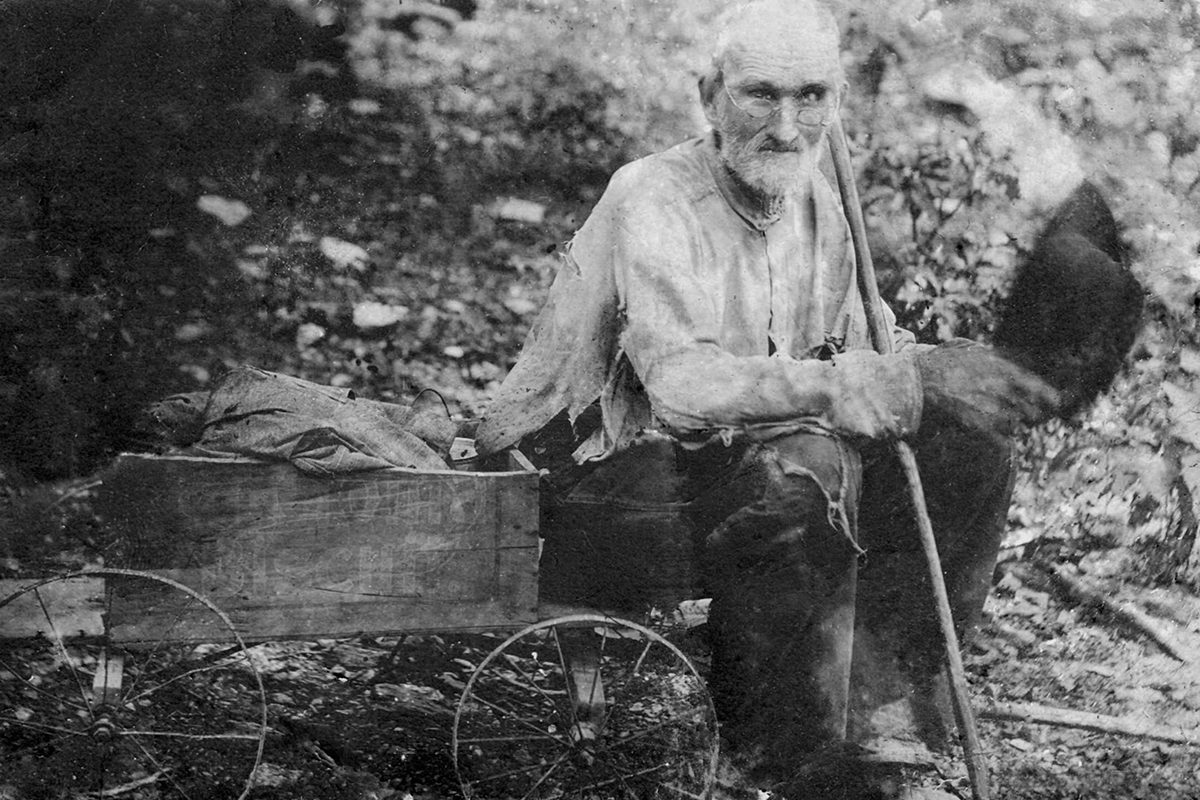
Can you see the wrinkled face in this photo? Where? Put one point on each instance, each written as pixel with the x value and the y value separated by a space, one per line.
pixel 771 107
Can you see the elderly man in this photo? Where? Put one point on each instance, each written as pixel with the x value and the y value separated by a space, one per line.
pixel 705 351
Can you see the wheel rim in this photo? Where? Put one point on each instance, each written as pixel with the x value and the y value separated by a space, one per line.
pixel 83 713
pixel 517 734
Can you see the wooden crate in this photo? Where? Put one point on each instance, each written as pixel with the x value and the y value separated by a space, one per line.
pixel 67 608
pixel 287 555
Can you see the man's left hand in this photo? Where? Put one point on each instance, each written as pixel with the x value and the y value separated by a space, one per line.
pixel 984 390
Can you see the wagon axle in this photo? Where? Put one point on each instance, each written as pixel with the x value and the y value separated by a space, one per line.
pixel 103 731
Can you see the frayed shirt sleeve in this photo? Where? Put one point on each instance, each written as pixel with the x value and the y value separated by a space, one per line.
pixel 672 337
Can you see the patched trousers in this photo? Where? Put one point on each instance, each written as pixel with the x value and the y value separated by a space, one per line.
pixel 808 547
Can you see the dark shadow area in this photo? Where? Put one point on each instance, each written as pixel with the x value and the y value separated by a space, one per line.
pixel 115 117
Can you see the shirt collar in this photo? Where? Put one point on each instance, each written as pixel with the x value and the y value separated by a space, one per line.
pixel 747 206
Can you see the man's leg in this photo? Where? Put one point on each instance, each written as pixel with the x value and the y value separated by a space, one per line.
pixel 773 524
pixel 780 568
pixel 968 480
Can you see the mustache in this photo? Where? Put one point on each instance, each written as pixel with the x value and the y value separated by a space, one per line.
pixel 769 144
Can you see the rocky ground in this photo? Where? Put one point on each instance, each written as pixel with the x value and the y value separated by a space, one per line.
pixel 372 717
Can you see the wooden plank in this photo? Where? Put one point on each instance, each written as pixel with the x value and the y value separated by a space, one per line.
pixel 280 621
pixel 110 672
pixel 71 607
pixel 516 513
pixel 288 555
pixel 518 573
pixel 148 613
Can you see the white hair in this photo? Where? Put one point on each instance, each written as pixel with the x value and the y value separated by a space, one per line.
pixel 775 22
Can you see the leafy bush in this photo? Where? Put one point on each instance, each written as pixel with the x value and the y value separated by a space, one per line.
pixel 948 202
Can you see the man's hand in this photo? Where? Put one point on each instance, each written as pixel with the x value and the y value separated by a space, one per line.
pixel 984 390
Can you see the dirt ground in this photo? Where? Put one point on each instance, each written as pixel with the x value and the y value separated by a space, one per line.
pixel 372 717
pixel 1036 647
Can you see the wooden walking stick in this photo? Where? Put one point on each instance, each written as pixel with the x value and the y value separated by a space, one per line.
pixel 881 337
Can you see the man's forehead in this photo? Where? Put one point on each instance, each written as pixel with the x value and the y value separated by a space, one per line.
pixel 786 70
pixel 780 42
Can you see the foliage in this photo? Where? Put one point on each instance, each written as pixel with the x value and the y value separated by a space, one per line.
pixel 951 271
pixel 956 205
pixel 377 253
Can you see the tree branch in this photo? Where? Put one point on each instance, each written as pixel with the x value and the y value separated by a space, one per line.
pixel 1125 612
pixel 1086 720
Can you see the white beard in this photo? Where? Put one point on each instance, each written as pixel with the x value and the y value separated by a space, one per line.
pixel 774 174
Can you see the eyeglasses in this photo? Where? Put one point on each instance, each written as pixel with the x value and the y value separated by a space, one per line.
pixel 763 107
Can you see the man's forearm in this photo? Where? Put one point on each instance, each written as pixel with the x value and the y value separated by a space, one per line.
pixel 860 394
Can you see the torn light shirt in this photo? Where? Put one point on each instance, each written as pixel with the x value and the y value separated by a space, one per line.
pixel 684 309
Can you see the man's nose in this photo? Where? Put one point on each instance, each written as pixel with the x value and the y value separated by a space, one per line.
pixel 786 127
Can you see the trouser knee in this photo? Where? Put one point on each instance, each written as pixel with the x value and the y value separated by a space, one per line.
pixel 802 506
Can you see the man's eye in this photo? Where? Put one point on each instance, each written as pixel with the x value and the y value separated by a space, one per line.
pixel 761 94
pixel 813 94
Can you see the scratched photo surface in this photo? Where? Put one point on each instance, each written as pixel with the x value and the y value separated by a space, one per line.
pixel 396 399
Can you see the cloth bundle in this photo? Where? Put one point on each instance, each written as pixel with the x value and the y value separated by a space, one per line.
pixel 322 430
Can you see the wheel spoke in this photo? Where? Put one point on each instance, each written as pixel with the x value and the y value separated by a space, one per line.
pixel 522 770
pixel 619 778
pixel 99 779
pixel 668 747
pixel 562 660
pixel 545 775
pixel 616 704
pixel 484 739
pixel 29 685
pixel 513 716
pixel 533 684
pixel 232 737
pixel 686 717
pixel 159 645
pixel 62 649
pixel 159 686
pixel 37 726
pixel 159 766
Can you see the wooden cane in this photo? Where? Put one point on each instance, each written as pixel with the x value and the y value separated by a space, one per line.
pixel 881 337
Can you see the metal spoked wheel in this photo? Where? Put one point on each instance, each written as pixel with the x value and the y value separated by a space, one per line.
pixel 107 691
pixel 586 706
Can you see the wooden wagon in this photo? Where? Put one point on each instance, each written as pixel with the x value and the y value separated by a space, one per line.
pixel 125 679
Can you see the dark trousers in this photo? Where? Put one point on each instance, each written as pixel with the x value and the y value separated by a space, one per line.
pixel 799 541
